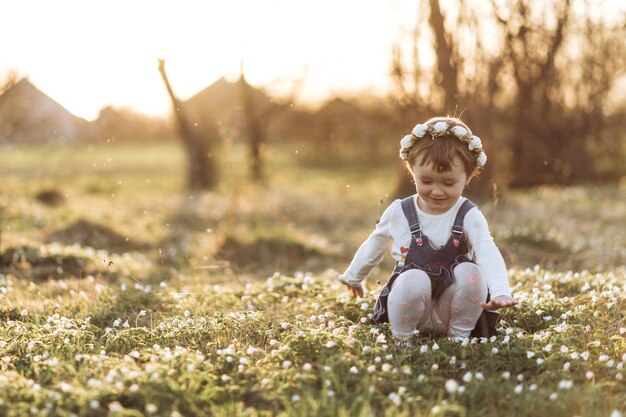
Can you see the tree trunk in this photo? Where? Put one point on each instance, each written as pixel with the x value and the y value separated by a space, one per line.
pixel 446 59
pixel 255 131
pixel 201 165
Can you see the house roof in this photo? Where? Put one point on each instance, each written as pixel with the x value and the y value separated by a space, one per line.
pixel 27 114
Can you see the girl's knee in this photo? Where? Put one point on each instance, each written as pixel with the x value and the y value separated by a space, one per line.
pixel 411 285
pixel 469 277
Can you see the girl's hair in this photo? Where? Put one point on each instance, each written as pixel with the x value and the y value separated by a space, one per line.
pixel 440 151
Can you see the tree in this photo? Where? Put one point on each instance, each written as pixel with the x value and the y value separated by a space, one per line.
pixel 258 113
pixel 199 145
pixel 448 86
pixel 534 77
pixel 564 63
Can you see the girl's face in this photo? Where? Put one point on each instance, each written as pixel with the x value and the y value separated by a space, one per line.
pixel 439 191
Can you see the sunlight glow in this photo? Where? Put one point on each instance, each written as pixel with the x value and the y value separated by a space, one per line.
pixel 86 55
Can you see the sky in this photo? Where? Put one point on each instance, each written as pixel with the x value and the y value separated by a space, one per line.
pixel 90 54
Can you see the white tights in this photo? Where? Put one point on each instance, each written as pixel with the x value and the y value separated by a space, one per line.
pixel 410 305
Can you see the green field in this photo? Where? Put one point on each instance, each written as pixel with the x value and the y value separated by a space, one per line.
pixel 122 294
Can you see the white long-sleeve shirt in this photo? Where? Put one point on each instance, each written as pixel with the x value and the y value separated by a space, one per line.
pixel 393 230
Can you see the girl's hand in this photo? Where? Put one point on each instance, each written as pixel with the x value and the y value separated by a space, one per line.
pixel 356 291
pixel 501 301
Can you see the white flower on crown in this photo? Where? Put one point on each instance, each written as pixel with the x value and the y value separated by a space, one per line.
pixel 475 143
pixel 481 159
pixel 407 141
pixel 440 127
pixel 420 130
pixel 404 154
pixel 459 131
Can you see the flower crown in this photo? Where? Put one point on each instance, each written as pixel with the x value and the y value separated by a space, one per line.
pixel 441 128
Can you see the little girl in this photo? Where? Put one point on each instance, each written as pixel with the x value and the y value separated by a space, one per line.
pixel 449 275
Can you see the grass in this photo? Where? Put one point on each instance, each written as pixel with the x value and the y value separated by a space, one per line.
pixel 223 303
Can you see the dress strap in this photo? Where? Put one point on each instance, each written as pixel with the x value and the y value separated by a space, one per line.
pixel 408 207
pixel 457 227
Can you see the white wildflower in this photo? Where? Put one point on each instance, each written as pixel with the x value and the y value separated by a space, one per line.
pixel 65 387
pixel 481 159
pixel 452 386
pixel 440 127
pixel 518 388
pixel 395 398
pixel 459 131
pixel 407 141
pixel 115 406
pixel 566 384
pixel 419 130
pixel 475 143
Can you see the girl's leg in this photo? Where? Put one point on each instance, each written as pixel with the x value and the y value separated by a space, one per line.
pixel 458 309
pixel 409 304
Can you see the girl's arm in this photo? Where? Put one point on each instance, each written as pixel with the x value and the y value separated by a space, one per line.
pixel 489 259
pixel 372 250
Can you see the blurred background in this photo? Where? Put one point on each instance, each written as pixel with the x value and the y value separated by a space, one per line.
pixel 239 132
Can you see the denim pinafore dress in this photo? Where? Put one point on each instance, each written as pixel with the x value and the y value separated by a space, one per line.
pixel 439 264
